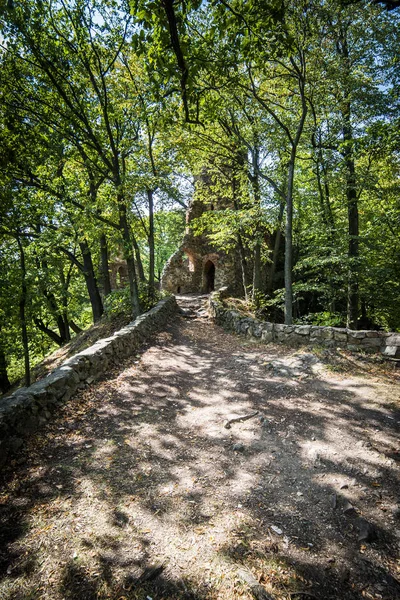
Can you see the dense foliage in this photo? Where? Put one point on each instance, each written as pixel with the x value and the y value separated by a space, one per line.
pixel 109 111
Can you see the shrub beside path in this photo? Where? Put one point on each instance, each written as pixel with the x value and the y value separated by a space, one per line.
pixel 138 491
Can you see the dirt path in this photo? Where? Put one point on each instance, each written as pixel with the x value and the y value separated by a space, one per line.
pixel 140 472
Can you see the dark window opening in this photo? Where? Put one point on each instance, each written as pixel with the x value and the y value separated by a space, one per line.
pixel 212 206
pixel 209 276
pixel 178 289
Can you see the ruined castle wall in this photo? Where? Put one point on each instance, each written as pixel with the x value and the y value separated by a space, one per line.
pixel 388 343
pixel 27 409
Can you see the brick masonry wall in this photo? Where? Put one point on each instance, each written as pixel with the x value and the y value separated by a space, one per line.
pixel 27 409
pixel 330 337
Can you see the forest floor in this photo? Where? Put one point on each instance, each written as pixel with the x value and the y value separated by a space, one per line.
pixel 137 491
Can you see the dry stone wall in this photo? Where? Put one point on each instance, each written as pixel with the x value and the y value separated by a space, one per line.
pixel 29 408
pixel 368 341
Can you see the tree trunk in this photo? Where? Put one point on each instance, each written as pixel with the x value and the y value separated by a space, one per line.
pixel 75 328
pixel 151 243
pixel 289 213
pixel 139 265
pixel 53 306
pixel 257 248
pixel 257 274
pixel 22 314
pixel 4 381
pixel 91 281
pixel 353 250
pixel 130 262
pixel 52 334
pixel 242 251
pixel 243 265
pixel 351 191
pixel 105 271
pixel 275 254
pixel 64 300
pixel 289 243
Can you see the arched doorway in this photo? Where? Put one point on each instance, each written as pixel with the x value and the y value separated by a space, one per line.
pixel 209 276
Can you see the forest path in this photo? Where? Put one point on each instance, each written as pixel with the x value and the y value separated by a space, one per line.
pixel 138 471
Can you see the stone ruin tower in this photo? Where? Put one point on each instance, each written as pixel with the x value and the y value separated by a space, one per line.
pixel 197 267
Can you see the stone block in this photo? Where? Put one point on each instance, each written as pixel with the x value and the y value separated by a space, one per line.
pixel 295 339
pixel 339 334
pixel 27 425
pixel 267 336
pixel 352 339
pixel 257 330
pixel 371 343
pixel 356 335
pixel 354 347
pixel 391 351
pixel 302 329
pixel 327 333
pixel 315 332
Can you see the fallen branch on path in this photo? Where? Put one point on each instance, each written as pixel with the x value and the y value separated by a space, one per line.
pixel 228 423
pixel 258 591
pixel 302 594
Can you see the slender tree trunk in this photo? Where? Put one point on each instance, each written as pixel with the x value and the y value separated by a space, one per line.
pixel 105 271
pixel 91 281
pixel 257 284
pixel 130 261
pixel 351 190
pixel 138 259
pixel 52 334
pixel 275 253
pixel 22 314
pixel 151 243
pixel 289 214
pixel 353 250
pixel 289 243
pixel 4 381
pixel 257 274
pixel 62 325
pixel 243 265
pixel 75 328
pixel 64 302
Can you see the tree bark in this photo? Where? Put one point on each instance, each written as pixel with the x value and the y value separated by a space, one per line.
pixel 130 261
pixel 4 381
pixel 257 284
pixel 22 313
pixel 138 259
pixel 53 306
pixel 151 243
pixel 289 214
pixel 289 243
pixel 257 274
pixel 75 328
pixel 91 281
pixel 64 301
pixel 275 253
pixel 52 334
pixel 105 271
pixel 351 190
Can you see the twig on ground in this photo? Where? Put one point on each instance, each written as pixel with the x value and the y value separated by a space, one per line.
pixel 228 423
pixel 258 591
pixel 302 594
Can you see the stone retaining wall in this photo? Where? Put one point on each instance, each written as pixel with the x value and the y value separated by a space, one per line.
pixel 369 341
pixel 28 408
